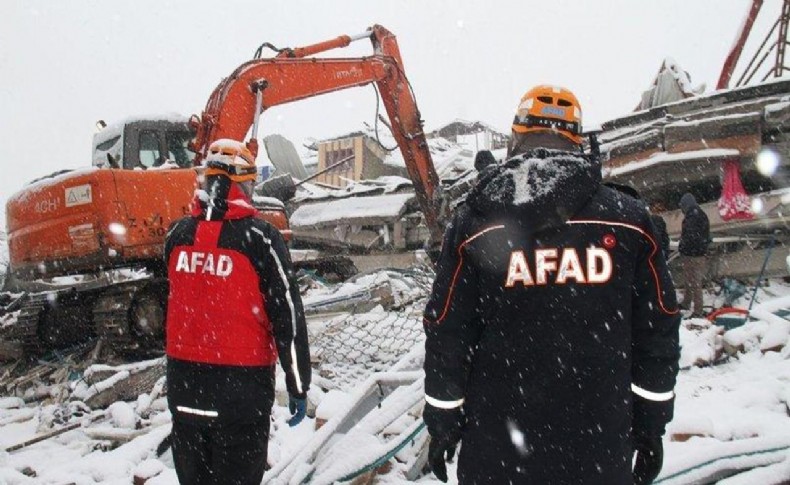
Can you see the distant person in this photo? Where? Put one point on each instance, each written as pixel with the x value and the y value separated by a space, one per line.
pixel 234 307
pixel 551 346
pixel 694 240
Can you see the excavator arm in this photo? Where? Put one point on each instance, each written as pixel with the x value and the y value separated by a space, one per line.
pixel 257 85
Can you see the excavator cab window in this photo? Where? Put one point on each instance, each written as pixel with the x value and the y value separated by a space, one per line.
pixel 149 149
pixel 177 150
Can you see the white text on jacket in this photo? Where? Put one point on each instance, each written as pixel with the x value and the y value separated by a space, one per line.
pixel 564 263
pixel 204 263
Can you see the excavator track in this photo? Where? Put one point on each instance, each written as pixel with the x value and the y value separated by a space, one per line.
pixel 127 316
pixel 111 316
pixel 44 321
pixel 117 320
pixel 25 330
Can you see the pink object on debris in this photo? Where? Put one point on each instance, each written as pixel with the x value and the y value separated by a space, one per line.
pixel 734 203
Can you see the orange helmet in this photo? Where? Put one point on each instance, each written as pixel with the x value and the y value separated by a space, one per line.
pixel 550 109
pixel 232 159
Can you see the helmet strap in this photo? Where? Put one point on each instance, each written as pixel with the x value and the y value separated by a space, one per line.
pixel 218 186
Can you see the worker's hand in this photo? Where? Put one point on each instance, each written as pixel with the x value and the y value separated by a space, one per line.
pixel 444 426
pixel 440 451
pixel 298 408
pixel 649 458
pixel 647 427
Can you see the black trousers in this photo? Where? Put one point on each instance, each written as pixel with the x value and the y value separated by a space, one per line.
pixel 208 454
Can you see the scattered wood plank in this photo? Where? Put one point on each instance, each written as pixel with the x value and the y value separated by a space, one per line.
pixel 50 434
pixel 35 375
pixel 123 384
pixel 115 435
pixel 358 301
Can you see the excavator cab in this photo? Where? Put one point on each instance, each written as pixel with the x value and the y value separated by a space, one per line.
pixel 141 144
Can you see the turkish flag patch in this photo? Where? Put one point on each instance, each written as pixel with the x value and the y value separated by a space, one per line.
pixel 609 241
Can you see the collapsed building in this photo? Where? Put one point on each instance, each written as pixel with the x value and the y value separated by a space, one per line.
pixel 361 203
pixel 730 150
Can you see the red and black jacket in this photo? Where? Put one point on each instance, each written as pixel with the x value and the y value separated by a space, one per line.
pixel 553 318
pixel 233 308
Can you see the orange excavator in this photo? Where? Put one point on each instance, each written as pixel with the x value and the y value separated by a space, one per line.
pixel 85 246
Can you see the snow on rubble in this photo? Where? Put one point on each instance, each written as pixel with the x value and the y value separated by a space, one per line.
pixel 109 441
pixel 351 209
pixel 365 405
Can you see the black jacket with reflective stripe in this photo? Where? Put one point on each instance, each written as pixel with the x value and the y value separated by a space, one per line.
pixel 542 325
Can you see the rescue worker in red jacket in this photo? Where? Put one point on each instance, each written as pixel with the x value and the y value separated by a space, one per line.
pixel 233 308
pixel 552 330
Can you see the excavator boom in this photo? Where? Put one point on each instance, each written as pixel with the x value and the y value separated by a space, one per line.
pixel 291 76
pixel 91 223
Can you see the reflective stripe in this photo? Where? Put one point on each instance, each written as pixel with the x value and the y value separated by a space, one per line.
pixel 167 236
pixel 294 367
pixel 443 404
pixel 650 395
pixel 199 412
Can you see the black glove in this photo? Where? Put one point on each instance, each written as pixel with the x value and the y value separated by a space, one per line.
pixel 649 458
pixel 444 426
pixel 649 421
pixel 649 418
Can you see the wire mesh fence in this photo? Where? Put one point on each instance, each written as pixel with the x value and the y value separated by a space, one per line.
pixel 352 346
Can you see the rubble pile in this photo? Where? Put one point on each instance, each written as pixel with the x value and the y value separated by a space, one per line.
pixel 109 421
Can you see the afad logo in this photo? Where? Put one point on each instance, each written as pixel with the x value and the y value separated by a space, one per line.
pixel 553 111
pixel 198 262
pixel 559 265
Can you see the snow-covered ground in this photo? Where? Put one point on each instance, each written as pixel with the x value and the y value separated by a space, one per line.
pixel 733 401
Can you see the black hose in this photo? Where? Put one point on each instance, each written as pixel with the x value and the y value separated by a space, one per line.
pixel 376 122
pixel 266 45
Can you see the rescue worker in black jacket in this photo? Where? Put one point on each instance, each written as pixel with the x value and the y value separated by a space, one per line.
pixel 233 308
pixel 552 330
pixel 694 239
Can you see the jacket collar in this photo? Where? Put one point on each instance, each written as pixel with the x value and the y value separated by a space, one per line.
pixel 541 188
pixel 235 206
